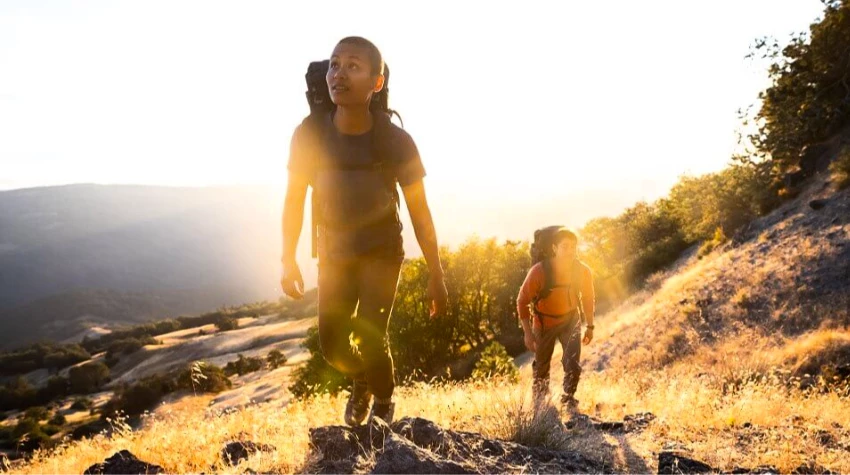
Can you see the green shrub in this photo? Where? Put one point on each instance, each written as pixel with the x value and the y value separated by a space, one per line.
pixel 58 419
pixel 37 413
pixel 226 324
pixel 88 378
pixel 81 404
pixel 275 359
pixel 316 376
pixel 243 365
pixel 495 361
pixel 203 377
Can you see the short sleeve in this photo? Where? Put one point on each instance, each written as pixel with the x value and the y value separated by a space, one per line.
pixel 299 157
pixel 409 168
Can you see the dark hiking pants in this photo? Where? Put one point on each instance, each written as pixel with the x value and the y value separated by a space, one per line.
pixel 358 345
pixel 569 334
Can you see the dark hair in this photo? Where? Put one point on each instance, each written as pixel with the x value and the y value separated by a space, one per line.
pixel 563 234
pixel 376 61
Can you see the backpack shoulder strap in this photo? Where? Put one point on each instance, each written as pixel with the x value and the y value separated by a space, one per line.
pixel 548 280
pixel 312 128
pixel 384 145
pixel 577 279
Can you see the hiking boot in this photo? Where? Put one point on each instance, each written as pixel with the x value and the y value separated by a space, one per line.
pixel 383 410
pixel 358 402
pixel 569 403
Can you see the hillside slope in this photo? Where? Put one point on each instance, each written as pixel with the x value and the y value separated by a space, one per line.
pixel 738 355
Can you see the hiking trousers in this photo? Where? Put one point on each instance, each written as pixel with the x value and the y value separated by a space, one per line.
pixel 569 334
pixel 358 344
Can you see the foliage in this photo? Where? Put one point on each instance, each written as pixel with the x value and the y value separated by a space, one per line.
pixel 495 361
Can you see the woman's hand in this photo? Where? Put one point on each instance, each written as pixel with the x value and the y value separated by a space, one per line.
pixel 291 281
pixel 438 295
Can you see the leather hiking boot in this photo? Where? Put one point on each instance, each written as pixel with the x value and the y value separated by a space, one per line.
pixel 383 410
pixel 358 402
pixel 569 403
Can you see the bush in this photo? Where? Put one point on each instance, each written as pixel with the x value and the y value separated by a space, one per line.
pixel 89 429
pixel 50 429
pixel 126 346
pixel 52 356
pixel 227 324
pixel 25 426
pixel 37 413
pixel 140 397
pixel 88 378
pixel 81 404
pixel 276 359
pixel 17 394
pixel 58 420
pixel 316 376
pixel 203 377
pixel 34 440
pixel 708 246
pixel 243 365
pixel 495 361
pixel 56 387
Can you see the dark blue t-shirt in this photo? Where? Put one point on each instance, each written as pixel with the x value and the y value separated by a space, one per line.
pixel 356 199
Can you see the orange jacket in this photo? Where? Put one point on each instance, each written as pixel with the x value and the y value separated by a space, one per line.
pixel 565 297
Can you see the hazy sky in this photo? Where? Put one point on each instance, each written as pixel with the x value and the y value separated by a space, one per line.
pixel 503 99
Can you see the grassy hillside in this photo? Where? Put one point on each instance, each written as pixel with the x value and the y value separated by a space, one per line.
pixel 736 354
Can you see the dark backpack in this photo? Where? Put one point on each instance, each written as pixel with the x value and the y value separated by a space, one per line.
pixel 541 252
pixel 321 105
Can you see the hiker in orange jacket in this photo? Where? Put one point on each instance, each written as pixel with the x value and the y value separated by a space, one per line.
pixel 556 292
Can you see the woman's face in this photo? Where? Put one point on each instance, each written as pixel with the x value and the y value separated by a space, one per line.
pixel 565 250
pixel 351 81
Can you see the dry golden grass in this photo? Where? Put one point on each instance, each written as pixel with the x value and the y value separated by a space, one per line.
pixel 758 422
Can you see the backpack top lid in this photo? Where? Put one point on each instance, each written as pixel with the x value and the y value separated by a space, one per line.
pixel 319 98
pixel 544 239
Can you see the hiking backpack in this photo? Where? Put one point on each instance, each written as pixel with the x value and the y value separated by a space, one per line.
pixel 321 105
pixel 541 252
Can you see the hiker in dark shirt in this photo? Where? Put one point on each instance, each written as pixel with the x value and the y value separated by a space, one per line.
pixel 354 158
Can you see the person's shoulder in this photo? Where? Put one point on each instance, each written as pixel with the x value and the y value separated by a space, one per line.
pixel 537 269
pixel 398 133
pixel 585 269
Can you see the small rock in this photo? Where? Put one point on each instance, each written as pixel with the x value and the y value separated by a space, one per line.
pixel 825 438
pixel 818 204
pixel 811 468
pixel 123 462
pixel 402 456
pixel 235 452
pixel 747 425
pixel 675 463
pixel 609 426
pixel 638 421
pixel 760 470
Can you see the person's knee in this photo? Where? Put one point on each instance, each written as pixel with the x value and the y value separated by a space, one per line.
pixel 334 347
pixel 541 370
pixel 374 350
